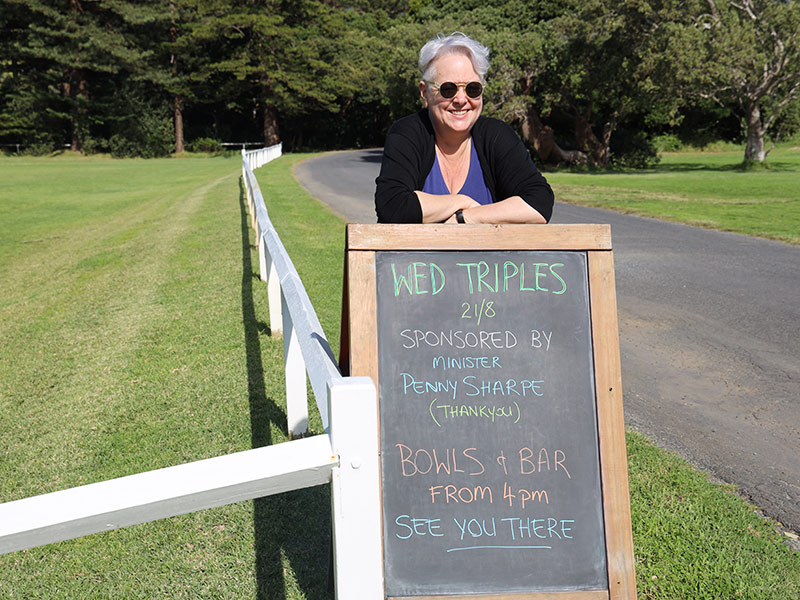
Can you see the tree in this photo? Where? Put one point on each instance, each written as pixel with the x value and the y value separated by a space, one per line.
pixel 20 97
pixel 76 47
pixel 590 63
pixel 178 90
pixel 284 51
pixel 752 63
pixel 181 65
pixel 80 65
pixel 603 65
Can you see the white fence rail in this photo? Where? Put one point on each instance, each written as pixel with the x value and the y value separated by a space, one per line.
pixel 307 349
pixel 164 493
pixel 258 158
pixel 346 456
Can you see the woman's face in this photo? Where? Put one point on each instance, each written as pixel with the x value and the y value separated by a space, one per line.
pixel 459 113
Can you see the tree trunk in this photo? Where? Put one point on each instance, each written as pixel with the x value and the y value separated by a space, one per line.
pixel 179 142
pixel 75 140
pixel 542 139
pixel 603 154
pixel 177 101
pixel 271 134
pixel 584 136
pixel 598 150
pixel 754 150
pixel 75 88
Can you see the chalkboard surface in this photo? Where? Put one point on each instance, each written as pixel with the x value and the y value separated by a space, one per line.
pixel 489 439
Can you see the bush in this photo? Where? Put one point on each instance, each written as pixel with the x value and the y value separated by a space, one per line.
pixel 39 144
pixel 122 147
pixel 93 145
pixel 668 142
pixel 205 144
pixel 148 135
pixel 632 150
pixel 40 148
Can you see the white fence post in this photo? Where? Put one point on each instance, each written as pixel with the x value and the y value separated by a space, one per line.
pixel 253 215
pixel 355 491
pixel 263 265
pixel 296 384
pixel 273 295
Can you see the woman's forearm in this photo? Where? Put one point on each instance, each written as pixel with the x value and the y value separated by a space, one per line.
pixel 439 208
pixel 510 210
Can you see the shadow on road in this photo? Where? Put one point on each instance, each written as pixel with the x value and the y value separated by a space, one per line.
pixel 372 156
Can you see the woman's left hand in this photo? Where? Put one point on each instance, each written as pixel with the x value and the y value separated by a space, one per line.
pixel 510 210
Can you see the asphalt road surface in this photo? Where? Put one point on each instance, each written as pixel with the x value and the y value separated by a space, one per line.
pixel 709 335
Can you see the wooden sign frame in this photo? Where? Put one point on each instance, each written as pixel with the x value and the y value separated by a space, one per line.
pixel 359 354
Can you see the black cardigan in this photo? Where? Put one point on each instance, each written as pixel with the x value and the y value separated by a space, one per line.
pixel 408 157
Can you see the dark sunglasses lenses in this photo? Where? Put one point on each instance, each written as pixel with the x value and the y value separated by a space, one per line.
pixel 474 89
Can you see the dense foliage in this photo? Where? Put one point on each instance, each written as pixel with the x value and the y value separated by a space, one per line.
pixel 584 81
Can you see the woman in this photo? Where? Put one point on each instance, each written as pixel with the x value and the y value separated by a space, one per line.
pixel 447 163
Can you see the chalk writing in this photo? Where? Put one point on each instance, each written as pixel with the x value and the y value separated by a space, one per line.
pixel 488 432
pixel 460 495
pixel 417 282
pixel 506 387
pixel 505 529
pixel 541 339
pixel 495 278
pixel 471 311
pixel 445 412
pixel 458 339
pixel 542 462
pixel 417 526
pixel 424 461
pixel 416 386
pixel 417 278
pixel 466 362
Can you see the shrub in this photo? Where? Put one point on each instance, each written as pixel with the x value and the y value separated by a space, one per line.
pixel 632 150
pixel 148 135
pixel 669 142
pixel 205 144
pixel 39 148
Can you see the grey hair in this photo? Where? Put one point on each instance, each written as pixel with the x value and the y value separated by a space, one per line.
pixel 455 43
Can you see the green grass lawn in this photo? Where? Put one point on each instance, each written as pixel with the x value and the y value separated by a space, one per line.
pixel 709 189
pixel 133 335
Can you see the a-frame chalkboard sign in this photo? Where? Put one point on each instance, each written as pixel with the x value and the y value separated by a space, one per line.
pixel 495 353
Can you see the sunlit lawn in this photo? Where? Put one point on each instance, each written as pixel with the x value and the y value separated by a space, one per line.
pixel 134 335
pixel 709 189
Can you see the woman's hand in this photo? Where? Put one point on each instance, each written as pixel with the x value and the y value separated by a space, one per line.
pixel 442 209
pixel 510 210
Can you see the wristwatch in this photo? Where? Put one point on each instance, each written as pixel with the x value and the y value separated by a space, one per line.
pixel 460 216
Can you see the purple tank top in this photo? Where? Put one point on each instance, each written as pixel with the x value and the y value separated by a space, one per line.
pixel 474 186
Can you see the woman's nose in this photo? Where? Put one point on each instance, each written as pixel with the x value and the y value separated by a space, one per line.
pixel 461 95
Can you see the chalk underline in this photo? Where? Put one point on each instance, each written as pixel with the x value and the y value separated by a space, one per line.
pixel 502 548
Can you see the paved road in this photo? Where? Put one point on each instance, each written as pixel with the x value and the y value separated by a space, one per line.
pixel 709 336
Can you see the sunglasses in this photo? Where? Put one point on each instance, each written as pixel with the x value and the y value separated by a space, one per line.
pixel 448 89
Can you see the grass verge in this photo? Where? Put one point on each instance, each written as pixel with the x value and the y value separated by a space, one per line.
pixel 133 336
pixel 706 189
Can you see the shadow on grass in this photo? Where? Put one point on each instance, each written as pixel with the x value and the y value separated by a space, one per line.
pixel 692 167
pixel 294 525
pixel 740 167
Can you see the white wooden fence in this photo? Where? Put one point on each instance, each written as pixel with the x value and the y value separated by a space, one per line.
pixel 346 455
